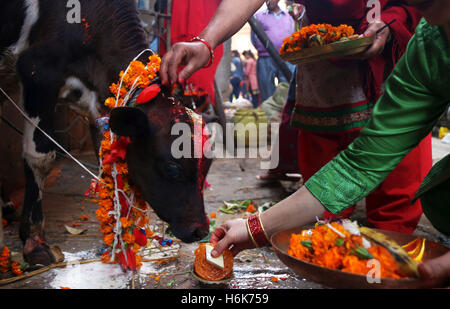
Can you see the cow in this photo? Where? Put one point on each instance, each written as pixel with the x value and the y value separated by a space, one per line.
pixel 76 62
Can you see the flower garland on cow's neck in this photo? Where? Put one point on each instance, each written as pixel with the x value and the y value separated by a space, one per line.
pixel 123 213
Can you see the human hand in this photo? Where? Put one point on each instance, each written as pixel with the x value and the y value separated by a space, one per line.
pixel 233 232
pixel 379 42
pixel 436 268
pixel 192 55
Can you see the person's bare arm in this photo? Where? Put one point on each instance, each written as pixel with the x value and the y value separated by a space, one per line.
pixel 228 19
pixel 295 211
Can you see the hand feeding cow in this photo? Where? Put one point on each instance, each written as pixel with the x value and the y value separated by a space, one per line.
pixel 77 62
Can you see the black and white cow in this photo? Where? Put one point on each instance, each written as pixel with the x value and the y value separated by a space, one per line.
pixel 77 62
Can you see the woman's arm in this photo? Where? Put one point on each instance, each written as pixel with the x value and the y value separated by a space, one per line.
pixel 228 19
pixel 298 209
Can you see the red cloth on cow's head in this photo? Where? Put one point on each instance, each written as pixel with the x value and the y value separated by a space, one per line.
pixel 353 12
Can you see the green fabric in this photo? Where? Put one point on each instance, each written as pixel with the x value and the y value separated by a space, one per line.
pixel 434 194
pixel 417 93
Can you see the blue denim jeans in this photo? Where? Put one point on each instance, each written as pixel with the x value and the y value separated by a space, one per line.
pixel 266 71
pixel 236 84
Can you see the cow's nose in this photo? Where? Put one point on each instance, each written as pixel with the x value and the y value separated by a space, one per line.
pixel 200 233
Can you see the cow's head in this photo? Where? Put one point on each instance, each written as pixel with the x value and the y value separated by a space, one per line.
pixel 173 187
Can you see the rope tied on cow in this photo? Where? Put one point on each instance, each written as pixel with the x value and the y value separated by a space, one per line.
pixel 48 136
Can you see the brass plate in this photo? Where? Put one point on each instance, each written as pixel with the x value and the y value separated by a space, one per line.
pixel 333 50
pixel 339 279
pixel 209 282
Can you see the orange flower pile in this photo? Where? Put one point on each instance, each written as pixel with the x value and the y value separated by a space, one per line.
pixel 6 264
pixel 131 233
pixel 326 248
pixel 313 35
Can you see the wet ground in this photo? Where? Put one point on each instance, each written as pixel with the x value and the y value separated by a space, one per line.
pixel 166 267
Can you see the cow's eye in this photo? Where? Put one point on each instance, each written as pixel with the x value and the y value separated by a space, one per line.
pixel 172 170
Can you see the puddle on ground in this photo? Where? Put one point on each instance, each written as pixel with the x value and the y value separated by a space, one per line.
pixel 94 275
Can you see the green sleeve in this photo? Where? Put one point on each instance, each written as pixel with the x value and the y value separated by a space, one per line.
pixel 402 117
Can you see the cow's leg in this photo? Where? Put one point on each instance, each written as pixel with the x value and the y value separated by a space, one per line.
pixel 41 80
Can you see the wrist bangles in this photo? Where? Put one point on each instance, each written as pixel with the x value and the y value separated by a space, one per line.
pixel 211 51
pixel 256 231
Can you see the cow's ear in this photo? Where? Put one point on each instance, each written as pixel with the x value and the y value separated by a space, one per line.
pixel 129 121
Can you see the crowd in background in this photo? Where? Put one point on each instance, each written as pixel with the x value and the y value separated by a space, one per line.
pixel 259 75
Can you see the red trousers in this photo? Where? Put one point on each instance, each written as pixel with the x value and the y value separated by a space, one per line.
pixel 389 206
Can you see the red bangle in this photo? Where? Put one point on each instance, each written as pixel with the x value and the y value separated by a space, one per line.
pixel 257 232
pixel 211 51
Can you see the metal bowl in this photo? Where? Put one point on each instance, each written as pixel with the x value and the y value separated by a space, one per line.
pixel 333 50
pixel 209 283
pixel 339 279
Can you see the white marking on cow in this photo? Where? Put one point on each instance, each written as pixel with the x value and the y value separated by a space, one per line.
pixel 31 17
pixel 88 99
pixel 40 163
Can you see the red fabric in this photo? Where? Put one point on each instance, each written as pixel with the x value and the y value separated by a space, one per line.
pixel 389 206
pixel 189 18
pixel 287 142
pixel 353 12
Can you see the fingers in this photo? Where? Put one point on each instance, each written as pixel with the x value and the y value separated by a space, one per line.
pixel 223 244
pixel 193 55
pixel 165 67
pixel 186 73
pixel 175 61
pixel 218 234
pixel 379 42
pixel 375 49
pixel 436 268
pixel 170 63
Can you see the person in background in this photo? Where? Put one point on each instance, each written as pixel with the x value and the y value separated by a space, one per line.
pixel 277 24
pixel 288 166
pixel 236 75
pixel 251 78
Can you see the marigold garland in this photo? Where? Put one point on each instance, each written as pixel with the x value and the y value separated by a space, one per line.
pixel 122 211
pixel 324 247
pixel 316 35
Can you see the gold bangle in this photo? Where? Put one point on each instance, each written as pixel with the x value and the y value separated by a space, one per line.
pixel 250 233
pixel 262 226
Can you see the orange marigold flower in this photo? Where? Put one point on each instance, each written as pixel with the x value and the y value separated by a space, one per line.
pixel 128 238
pixel 250 208
pixel 106 228
pixel 125 223
pixel 15 267
pixel 108 239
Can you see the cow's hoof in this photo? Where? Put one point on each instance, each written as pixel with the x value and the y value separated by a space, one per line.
pixel 38 252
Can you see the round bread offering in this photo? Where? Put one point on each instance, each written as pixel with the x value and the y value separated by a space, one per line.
pixel 212 269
